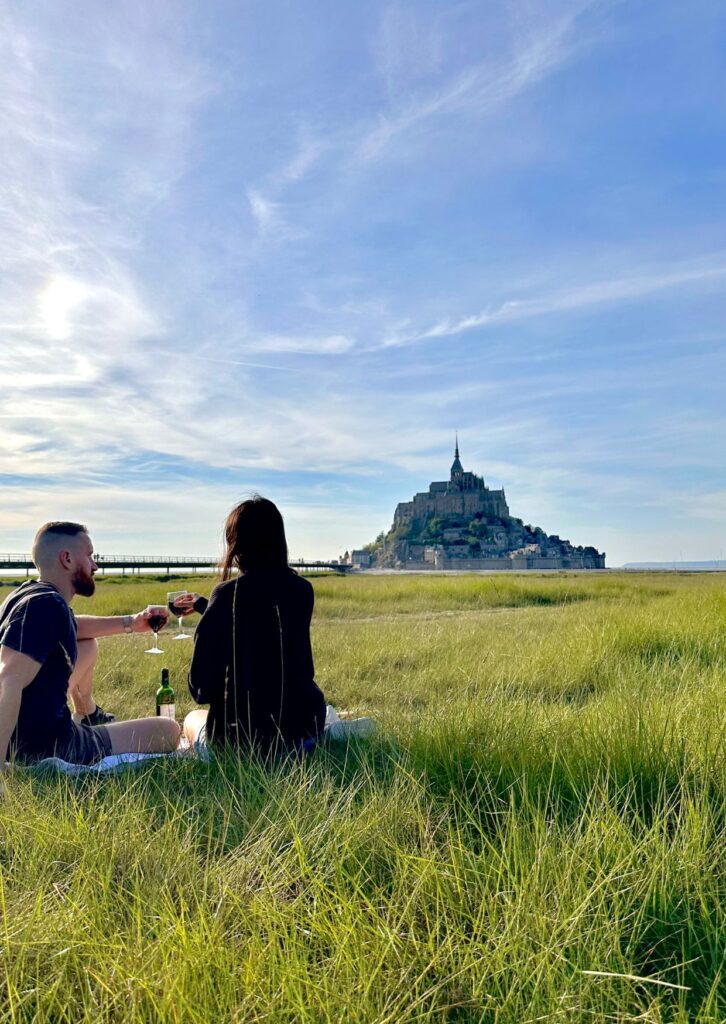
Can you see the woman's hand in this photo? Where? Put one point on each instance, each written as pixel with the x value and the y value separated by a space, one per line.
pixel 184 605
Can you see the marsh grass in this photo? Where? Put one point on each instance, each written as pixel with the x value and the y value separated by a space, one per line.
pixel 537 833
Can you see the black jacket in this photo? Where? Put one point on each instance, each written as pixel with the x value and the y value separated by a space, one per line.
pixel 253 662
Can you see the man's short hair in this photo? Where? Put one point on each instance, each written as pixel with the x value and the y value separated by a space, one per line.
pixel 60 528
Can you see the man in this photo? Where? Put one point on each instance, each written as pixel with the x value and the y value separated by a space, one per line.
pixel 45 652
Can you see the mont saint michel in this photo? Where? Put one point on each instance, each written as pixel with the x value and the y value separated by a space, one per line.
pixel 460 523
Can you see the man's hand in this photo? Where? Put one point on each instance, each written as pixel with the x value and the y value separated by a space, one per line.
pixel 140 621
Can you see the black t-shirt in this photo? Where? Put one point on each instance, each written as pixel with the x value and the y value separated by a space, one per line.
pixel 253 663
pixel 36 620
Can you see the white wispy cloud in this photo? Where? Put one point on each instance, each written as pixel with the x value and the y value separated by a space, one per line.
pixel 264 210
pixel 580 296
pixel 409 46
pixel 483 87
pixel 267 207
pixel 335 344
pixel 271 220
pixel 301 163
pixel 709 505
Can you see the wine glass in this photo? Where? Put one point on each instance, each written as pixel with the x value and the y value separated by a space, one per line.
pixel 156 622
pixel 171 598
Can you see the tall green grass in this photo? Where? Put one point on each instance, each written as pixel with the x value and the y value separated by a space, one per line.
pixel 538 832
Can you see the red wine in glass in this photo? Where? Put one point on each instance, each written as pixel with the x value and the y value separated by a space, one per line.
pixel 179 610
pixel 156 622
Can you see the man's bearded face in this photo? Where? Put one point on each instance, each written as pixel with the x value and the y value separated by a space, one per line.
pixel 82 579
pixel 83 583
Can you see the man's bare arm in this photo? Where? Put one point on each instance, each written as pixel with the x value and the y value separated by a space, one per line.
pixel 16 672
pixel 93 626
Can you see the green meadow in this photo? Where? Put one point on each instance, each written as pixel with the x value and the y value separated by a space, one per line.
pixel 536 833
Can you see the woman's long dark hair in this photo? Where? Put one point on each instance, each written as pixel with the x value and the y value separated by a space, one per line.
pixel 255 536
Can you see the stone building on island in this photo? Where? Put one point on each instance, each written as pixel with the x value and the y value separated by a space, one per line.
pixel 460 523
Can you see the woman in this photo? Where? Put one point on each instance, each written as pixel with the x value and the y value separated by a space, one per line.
pixel 252 661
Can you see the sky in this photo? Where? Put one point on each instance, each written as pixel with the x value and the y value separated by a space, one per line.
pixel 292 247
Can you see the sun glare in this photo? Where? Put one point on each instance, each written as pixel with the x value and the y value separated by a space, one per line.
pixel 56 302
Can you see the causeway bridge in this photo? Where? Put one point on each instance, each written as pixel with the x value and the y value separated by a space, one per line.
pixel 168 564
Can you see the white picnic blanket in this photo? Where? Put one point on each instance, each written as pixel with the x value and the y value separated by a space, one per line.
pixel 112 763
pixel 337 730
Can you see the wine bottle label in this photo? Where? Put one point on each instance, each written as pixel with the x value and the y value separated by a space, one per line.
pixel 166 710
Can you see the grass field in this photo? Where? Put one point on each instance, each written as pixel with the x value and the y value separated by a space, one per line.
pixel 538 832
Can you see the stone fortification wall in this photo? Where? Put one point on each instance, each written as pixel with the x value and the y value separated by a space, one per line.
pixel 501 564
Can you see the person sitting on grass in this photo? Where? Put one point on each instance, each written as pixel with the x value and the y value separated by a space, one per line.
pixel 46 652
pixel 252 660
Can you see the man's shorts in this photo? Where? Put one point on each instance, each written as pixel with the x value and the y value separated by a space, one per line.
pixel 88 744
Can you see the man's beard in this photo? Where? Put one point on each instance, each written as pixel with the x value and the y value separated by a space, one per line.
pixel 83 584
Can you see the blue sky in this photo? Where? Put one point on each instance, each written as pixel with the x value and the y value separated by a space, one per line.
pixel 292 247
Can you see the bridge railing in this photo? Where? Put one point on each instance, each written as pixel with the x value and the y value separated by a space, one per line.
pixel 15 561
pixel 157 559
pixel 11 560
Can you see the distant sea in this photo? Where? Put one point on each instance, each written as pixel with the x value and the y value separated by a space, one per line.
pixel 715 565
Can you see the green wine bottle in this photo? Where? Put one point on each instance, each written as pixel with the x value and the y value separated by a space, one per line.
pixel 165 697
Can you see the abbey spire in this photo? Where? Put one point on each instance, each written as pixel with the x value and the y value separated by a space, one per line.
pixel 456 466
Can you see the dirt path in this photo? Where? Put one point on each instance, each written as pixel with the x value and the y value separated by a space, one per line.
pixel 423 616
